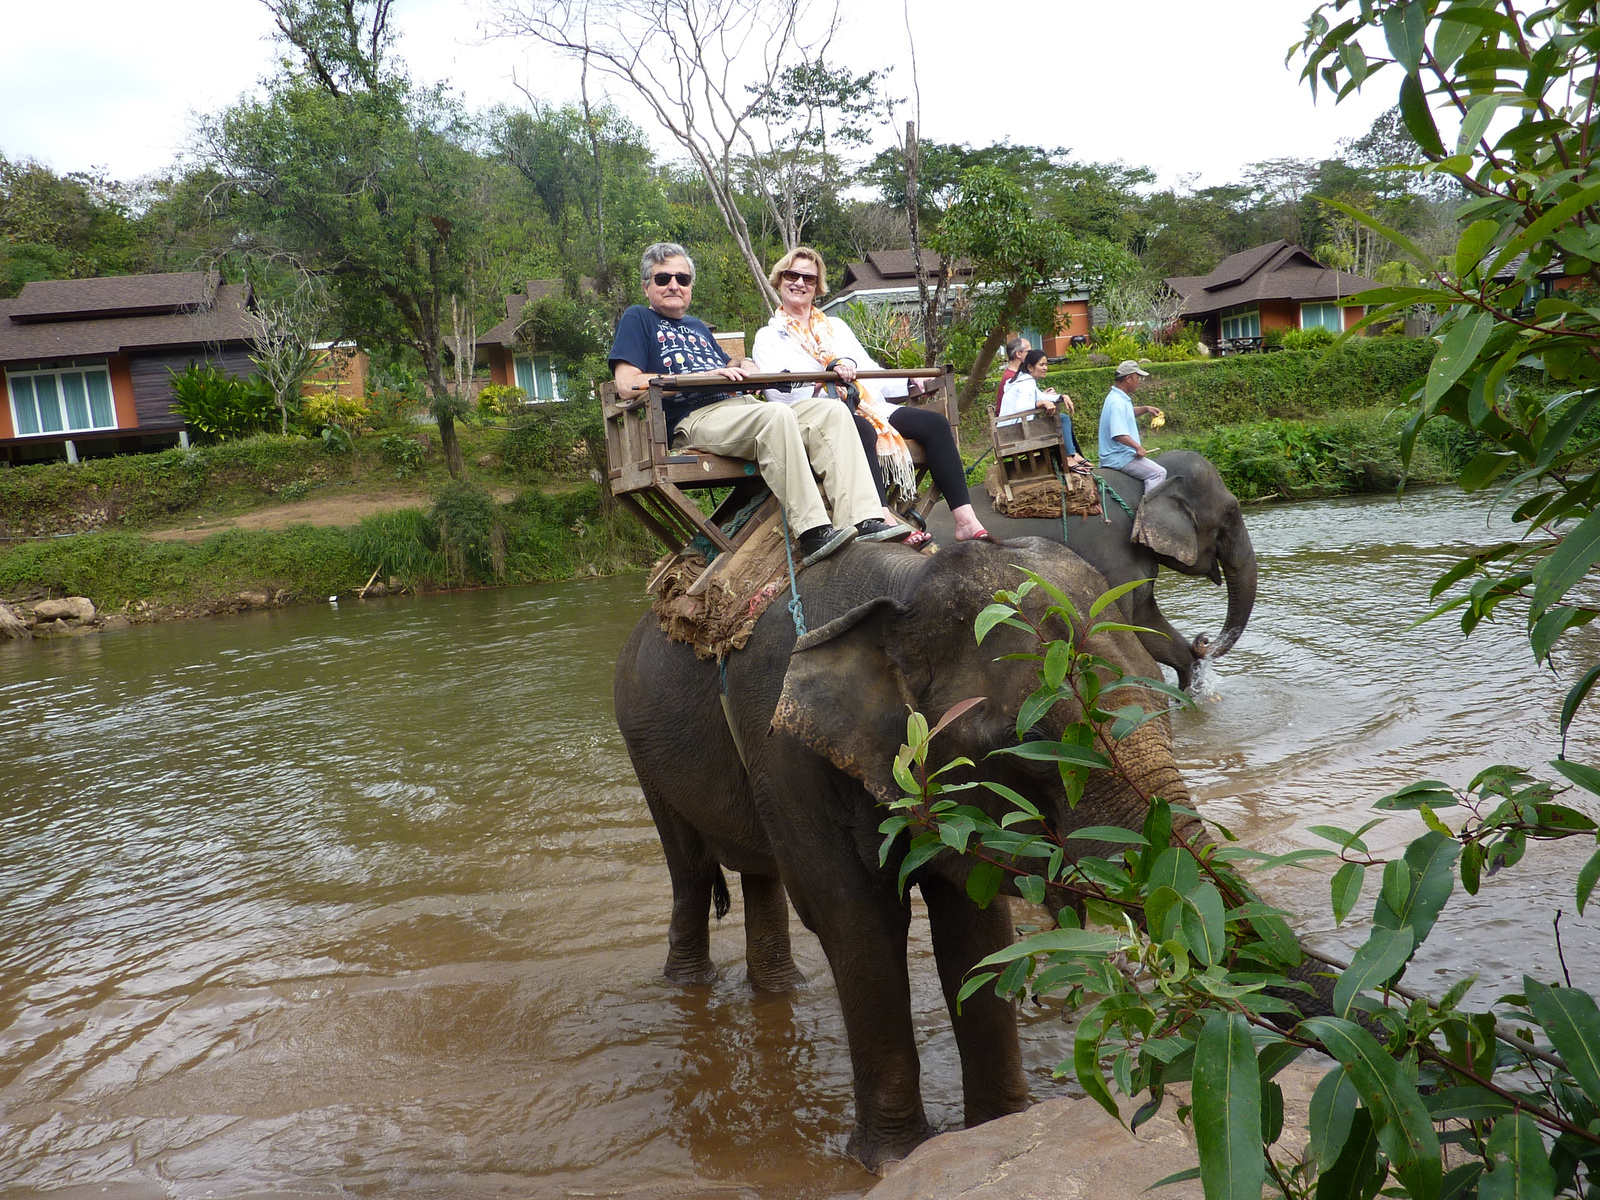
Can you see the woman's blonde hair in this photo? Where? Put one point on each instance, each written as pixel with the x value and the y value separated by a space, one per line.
pixel 786 263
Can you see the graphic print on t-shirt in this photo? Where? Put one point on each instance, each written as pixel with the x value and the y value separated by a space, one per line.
pixel 684 351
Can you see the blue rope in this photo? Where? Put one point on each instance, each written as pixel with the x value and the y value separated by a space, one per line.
pixel 795 609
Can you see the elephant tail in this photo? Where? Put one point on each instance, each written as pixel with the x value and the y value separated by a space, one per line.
pixel 719 894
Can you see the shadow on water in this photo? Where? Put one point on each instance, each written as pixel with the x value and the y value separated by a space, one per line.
pixel 366 899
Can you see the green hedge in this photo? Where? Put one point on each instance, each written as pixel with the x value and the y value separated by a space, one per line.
pixel 1290 384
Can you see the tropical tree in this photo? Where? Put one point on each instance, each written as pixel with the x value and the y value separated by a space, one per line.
pixel 365 180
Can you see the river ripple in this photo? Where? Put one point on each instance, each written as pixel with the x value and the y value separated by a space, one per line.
pixel 366 900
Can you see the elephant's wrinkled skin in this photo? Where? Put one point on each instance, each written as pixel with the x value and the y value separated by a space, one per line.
pixel 1196 528
pixel 892 629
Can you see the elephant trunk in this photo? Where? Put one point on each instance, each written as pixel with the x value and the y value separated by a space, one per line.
pixel 1238 559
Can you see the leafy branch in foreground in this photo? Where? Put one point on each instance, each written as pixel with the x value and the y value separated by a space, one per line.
pixel 1179 972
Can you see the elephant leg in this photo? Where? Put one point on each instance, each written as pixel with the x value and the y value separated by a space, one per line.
pixel 863 932
pixel 695 877
pixel 1163 643
pixel 767 953
pixel 992 1082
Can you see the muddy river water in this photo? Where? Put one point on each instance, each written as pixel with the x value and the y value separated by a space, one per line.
pixel 364 899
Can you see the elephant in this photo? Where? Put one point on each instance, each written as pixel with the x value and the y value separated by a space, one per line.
pixel 1194 527
pixel 778 769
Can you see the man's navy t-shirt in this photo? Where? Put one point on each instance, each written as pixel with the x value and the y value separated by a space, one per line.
pixel 660 345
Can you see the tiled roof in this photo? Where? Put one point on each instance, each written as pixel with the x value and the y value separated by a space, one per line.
pixel 505 333
pixel 114 296
pixel 1279 270
pixel 890 269
pixel 220 317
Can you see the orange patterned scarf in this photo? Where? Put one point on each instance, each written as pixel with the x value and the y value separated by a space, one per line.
pixel 815 337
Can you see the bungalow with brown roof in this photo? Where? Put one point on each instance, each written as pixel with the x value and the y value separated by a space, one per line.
pixel 89 360
pixel 1276 286
pixel 889 277
pixel 512 361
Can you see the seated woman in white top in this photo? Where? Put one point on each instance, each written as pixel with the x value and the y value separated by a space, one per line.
pixel 802 338
pixel 1023 395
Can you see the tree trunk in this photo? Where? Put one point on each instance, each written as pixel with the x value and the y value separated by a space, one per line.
pixel 930 316
pixel 986 352
pixel 452 447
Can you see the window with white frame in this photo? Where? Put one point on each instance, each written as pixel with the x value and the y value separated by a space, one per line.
pixel 1322 316
pixel 537 375
pixel 72 399
pixel 1242 325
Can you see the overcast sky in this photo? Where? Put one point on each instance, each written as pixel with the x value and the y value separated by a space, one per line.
pixel 1189 90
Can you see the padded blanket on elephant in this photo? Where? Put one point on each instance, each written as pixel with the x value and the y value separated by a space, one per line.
pixel 1042 497
pixel 715 608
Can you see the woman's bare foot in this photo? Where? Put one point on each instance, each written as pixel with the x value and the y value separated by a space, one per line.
pixel 967 524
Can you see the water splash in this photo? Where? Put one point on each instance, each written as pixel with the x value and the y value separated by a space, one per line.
pixel 1203 687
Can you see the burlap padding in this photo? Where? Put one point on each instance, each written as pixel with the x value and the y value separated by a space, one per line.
pixel 742 586
pixel 1042 497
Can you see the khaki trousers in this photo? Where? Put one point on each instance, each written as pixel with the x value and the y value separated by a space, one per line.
pixel 788 443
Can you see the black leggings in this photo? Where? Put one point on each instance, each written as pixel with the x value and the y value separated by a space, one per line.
pixel 938 445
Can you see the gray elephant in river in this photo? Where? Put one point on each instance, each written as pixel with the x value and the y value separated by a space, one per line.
pixel 786 790
pixel 1193 525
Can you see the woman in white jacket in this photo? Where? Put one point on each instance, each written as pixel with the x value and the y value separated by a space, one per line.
pixel 1023 395
pixel 801 337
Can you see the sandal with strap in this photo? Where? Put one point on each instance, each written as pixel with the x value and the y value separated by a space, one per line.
pixel 917 539
pixel 981 536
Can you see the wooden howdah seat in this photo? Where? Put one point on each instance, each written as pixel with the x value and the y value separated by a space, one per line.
pixel 650 478
pixel 1028 449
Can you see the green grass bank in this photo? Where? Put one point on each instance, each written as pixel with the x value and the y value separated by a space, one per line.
pixel 1291 424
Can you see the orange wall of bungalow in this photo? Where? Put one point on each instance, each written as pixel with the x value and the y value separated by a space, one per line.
pixel 1279 314
pixel 121 399
pixel 499 365
pixel 1074 318
pixel 343 370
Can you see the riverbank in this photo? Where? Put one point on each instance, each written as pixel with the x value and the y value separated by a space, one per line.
pixel 206 531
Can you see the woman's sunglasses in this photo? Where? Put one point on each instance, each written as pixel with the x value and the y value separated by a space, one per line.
pixel 663 278
pixel 799 277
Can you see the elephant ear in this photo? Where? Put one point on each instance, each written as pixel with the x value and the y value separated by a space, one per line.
pixel 846 698
pixel 1166 524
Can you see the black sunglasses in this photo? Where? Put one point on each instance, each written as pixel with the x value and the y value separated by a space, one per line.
pixel 663 278
pixel 798 277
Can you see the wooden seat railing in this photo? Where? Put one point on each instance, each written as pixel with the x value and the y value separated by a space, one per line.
pixel 1027 447
pixel 649 477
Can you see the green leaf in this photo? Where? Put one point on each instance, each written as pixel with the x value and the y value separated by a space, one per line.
pixel 1404 1128
pixel 997 614
pixel 1347 881
pixel 1203 923
pixel 1176 1177
pixel 1086 1060
pixel 1032 889
pixel 1416 114
pixel 1396 888
pixel 1057 752
pixel 1227 1110
pixel 1574 698
pixel 1520 1168
pixel 1106 833
pixel 1174 868
pixel 1457 353
pixel 1386 951
pixel 1350 1175
pixel 1405 26
pixel 1271 1113
pixel 1572 1023
pixel 1458 1183
pixel 983 882
pixel 1054 941
pixel 1586 880
pixel 923 847
pixel 1422 257
pixel 1474 241
pixel 1431 792
pixel 1333 1104
pixel 1467 1104
pixel 1108 598
pixel 1432 858
pixel 972 985
pixel 1163 908
pixel 1275 1056
pixel 1476 122
pixel 1452 39
pixel 1566 564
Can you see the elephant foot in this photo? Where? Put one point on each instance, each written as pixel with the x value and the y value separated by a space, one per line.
pixel 784 978
pixel 691 974
pixel 878 1154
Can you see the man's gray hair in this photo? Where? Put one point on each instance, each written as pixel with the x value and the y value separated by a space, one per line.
pixel 1013 348
pixel 657 254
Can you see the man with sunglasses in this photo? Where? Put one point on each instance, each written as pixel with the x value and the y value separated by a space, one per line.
pixel 787 441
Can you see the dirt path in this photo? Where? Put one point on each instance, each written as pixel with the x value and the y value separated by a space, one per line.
pixel 319 510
